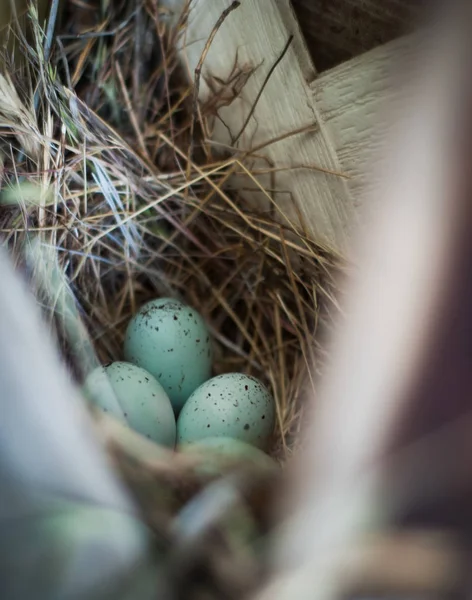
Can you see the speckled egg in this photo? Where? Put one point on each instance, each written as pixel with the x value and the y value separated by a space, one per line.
pixel 171 341
pixel 135 398
pixel 232 405
pixel 220 454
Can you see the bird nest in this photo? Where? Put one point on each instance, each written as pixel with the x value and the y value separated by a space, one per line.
pixel 104 166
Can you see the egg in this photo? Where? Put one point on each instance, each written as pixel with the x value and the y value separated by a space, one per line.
pixel 231 405
pixel 134 398
pixel 171 341
pixel 221 453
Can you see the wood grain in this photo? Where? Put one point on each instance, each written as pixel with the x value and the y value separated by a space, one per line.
pixel 253 37
pixel 342 106
pixel 353 100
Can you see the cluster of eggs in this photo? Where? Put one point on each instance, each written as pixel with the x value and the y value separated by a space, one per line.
pixel 165 390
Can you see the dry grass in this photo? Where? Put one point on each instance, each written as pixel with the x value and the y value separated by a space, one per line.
pixel 99 163
pixel 105 167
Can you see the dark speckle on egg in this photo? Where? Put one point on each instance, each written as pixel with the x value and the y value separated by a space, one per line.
pixel 162 338
pixel 238 408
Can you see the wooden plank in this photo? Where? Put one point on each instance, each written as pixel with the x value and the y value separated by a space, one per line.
pixel 253 37
pixel 342 104
pixel 353 101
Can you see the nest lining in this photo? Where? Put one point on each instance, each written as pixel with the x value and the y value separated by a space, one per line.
pixel 104 161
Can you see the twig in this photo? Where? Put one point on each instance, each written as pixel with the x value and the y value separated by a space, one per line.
pixel 279 138
pixel 64 61
pixel 137 69
pixel 198 69
pixel 132 116
pixel 97 34
pixel 259 94
pixel 50 29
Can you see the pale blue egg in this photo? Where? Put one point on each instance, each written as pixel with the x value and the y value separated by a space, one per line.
pixel 231 405
pixel 171 341
pixel 222 453
pixel 135 398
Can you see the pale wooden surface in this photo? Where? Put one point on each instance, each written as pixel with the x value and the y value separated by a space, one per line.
pixel 342 103
pixel 354 100
pixel 258 33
